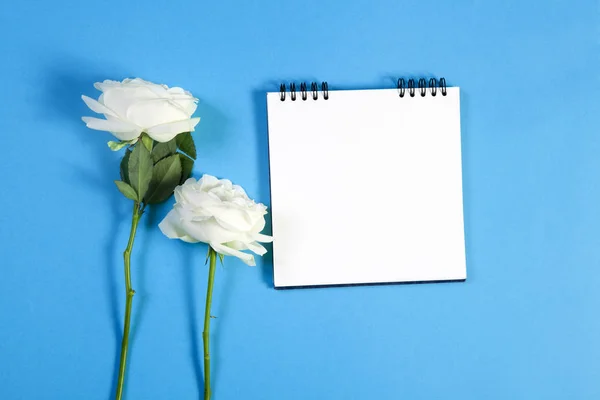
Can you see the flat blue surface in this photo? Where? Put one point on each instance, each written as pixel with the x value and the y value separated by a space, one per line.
pixel 526 324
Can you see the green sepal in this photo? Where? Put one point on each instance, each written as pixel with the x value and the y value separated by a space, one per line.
pixel 116 146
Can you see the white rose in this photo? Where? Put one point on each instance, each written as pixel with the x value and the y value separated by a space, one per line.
pixel 219 213
pixel 135 106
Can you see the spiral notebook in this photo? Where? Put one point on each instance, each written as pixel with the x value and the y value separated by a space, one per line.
pixel 366 185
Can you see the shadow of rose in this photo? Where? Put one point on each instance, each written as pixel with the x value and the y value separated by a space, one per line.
pixel 64 81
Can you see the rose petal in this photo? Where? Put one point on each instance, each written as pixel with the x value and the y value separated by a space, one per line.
pixel 120 99
pixel 159 90
pixel 106 84
pixel 241 192
pixel 208 231
pixel 198 199
pixel 120 129
pixel 128 82
pixel 188 106
pixel 208 182
pixel 228 251
pixel 256 248
pixel 184 99
pixel 165 132
pixel 237 245
pixel 251 245
pixel 149 112
pixel 137 81
pixel 259 237
pixel 98 107
pixel 170 226
pixel 260 223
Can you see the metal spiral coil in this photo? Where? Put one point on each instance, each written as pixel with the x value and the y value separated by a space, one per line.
pixel 423 85
pixel 421 88
pixel 314 90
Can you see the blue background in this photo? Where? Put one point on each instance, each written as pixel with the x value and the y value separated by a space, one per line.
pixel 526 324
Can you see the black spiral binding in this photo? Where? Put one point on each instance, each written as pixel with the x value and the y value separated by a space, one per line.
pixel 314 90
pixel 423 86
pixel 433 85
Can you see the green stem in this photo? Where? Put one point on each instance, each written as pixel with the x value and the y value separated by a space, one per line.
pixel 129 292
pixel 206 332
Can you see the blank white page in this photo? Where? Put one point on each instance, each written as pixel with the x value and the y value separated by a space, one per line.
pixel 366 187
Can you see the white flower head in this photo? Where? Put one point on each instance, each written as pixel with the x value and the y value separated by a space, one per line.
pixel 134 106
pixel 219 213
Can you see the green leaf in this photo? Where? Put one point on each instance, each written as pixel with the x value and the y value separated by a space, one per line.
pixel 116 146
pixel 127 190
pixel 148 142
pixel 140 170
pixel 125 166
pixel 186 167
pixel 162 150
pixel 165 177
pixel 221 257
pixel 185 142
